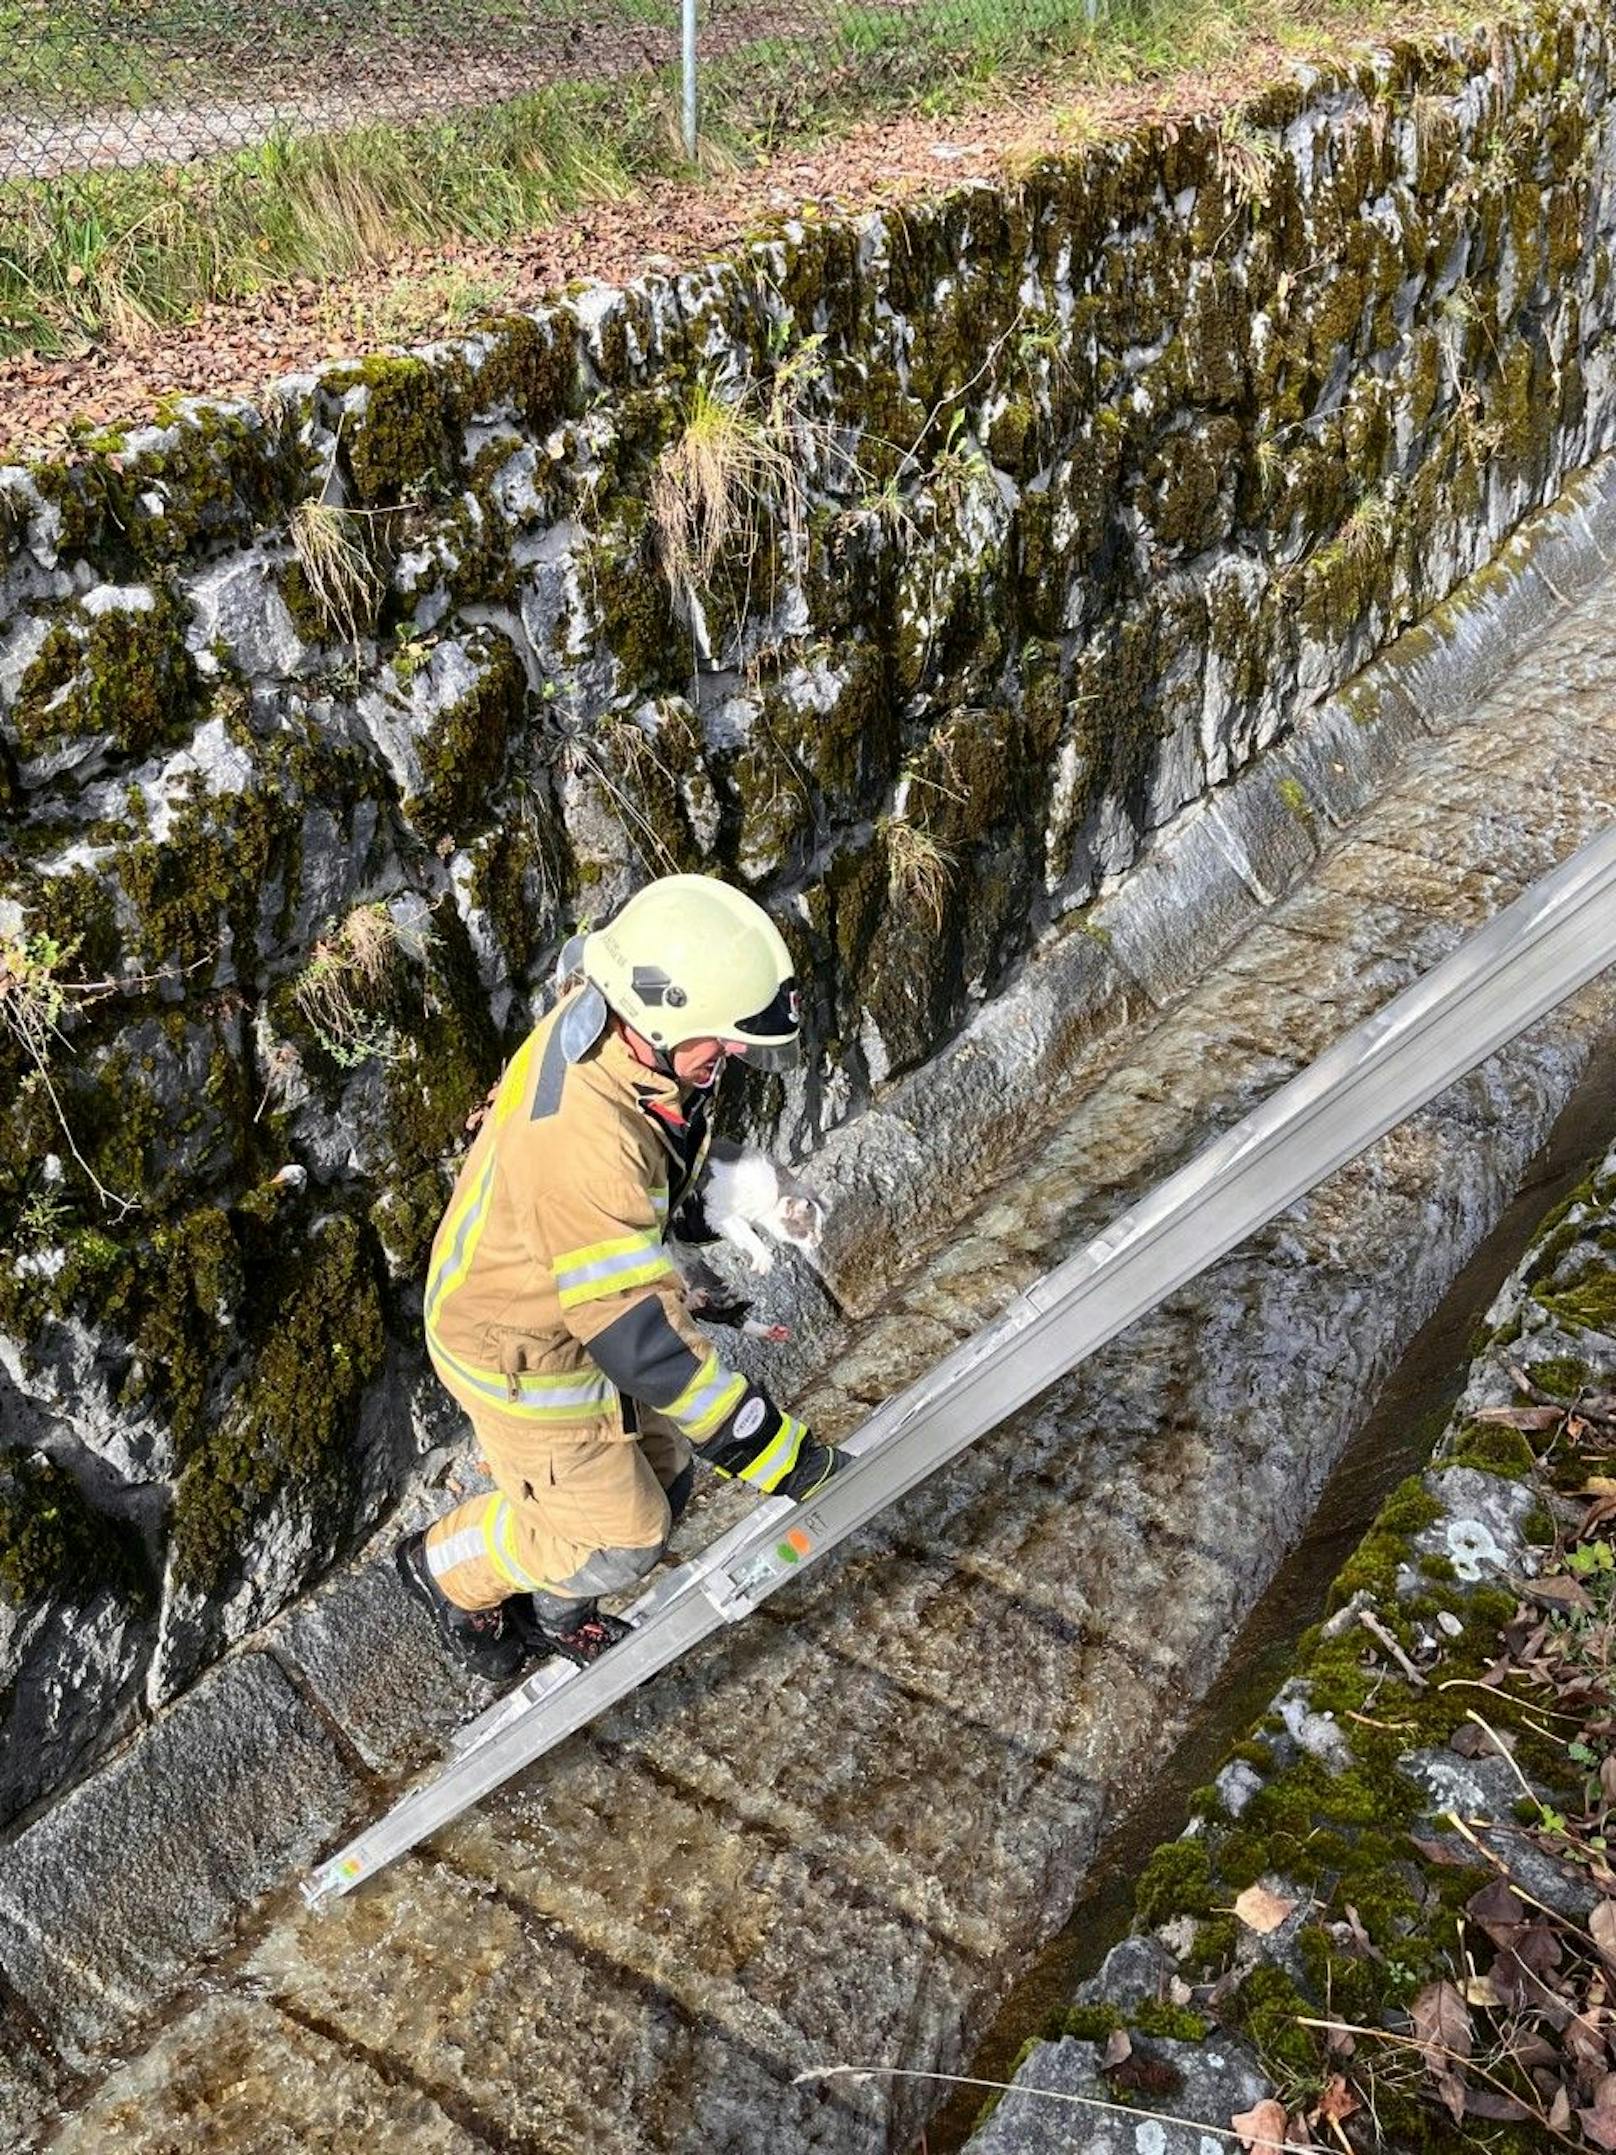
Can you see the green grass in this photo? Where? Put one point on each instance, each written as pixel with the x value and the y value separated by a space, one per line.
pixel 95 252
pixel 117 253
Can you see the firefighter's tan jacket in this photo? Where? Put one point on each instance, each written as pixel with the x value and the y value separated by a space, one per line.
pixel 550 1292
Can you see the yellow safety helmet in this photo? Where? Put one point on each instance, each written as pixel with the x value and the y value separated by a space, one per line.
pixel 688 958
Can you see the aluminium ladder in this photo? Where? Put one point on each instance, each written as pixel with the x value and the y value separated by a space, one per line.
pixel 1555 937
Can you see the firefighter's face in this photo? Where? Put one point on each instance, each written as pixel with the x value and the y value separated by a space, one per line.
pixel 698 1062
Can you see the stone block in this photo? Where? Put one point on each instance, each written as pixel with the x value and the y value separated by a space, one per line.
pixel 110 1898
pixel 1270 829
pixel 636 2041
pixel 1218 2079
pixel 1178 911
pixel 1346 750
pixel 370 1655
pixel 237 2074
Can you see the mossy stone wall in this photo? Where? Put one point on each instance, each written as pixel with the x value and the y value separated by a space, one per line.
pixel 1101 480
pixel 1372 1798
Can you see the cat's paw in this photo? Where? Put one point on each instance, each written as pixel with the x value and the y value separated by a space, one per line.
pixel 749 1242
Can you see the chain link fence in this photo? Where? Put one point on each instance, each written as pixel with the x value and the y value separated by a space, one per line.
pixel 98 84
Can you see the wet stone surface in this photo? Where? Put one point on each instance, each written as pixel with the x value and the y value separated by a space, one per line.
pixel 832 1836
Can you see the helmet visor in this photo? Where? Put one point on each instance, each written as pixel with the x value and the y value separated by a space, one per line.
pixel 770 1038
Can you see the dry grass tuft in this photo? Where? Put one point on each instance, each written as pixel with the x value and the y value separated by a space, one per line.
pixel 343 580
pixel 343 990
pixel 919 869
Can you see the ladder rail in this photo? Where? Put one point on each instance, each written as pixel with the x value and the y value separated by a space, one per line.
pixel 1553 939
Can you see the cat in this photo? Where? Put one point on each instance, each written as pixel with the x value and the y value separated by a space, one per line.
pixel 743 1191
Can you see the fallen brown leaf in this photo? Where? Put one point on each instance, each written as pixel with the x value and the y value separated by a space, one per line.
pixel 1524 1418
pixel 1599 2118
pixel 1441 2025
pixel 1496 1909
pixel 1262 2126
pixel 1262 1911
pixel 1559 1591
pixel 1338 2100
pixel 1493 2103
pixel 1470 1740
pixel 1448 1852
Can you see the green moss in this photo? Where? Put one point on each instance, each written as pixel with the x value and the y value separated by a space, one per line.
pixel 1561 1375
pixel 1183 501
pixel 1268 2008
pixel 1585 1303
pixel 1216 1939
pixel 288 1435
pixel 1170 2023
pixel 1086 2023
pixel 510 877
pixel 51 1542
pixel 1176 1881
pixel 1493 1449
pixel 1538 1526
pixel 1294 794
pixel 463 756
pixel 190 1285
pixel 212 478
pixel 477 540
pixel 76 910
pixel 449 1055
pixel 1373 1566
pixel 649 647
pixel 532 369
pixel 395 435
pixel 124 673
pixel 215 863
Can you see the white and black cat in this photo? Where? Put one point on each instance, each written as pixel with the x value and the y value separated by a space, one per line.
pixel 744 1195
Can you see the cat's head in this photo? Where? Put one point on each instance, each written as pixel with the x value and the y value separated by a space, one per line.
pixel 800 1218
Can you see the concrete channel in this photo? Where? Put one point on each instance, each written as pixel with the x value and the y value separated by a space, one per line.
pixel 840 1834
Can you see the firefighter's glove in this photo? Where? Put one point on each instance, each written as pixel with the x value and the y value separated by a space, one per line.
pixel 771 1450
pixel 717 1308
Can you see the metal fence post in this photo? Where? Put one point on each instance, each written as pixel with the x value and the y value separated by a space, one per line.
pixel 688 56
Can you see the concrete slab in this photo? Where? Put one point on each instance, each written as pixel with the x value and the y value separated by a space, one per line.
pixel 571 2050
pixel 114 1893
pixel 237 2074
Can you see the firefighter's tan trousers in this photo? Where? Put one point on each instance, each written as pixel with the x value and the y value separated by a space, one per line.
pixel 576 1511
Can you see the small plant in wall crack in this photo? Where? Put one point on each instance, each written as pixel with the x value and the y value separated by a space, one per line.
pixel 345 991
pixel 36 998
pixel 736 477
pixel 919 868
pixel 343 581
pixel 1369 530
pixel 1245 160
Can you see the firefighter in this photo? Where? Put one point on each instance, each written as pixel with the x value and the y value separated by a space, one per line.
pixel 553 1308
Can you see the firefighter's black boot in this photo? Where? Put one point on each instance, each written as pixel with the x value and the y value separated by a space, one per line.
pixel 481 1640
pixel 580 1635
